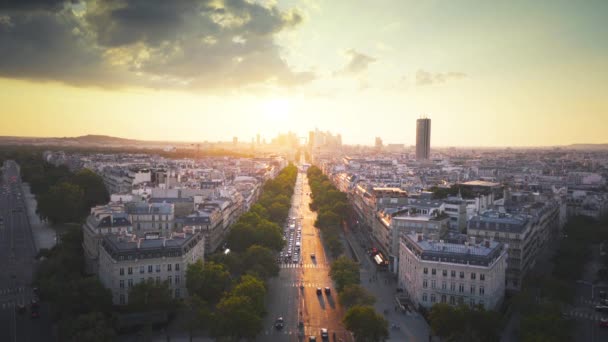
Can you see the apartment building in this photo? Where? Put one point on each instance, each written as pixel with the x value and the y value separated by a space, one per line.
pixel 126 260
pixel 455 273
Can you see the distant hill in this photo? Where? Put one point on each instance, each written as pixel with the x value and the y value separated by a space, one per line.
pixel 588 146
pixel 101 139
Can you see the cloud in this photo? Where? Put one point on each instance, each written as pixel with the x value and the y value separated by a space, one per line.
pixel 428 78
pixel 358 63
pixel 198 44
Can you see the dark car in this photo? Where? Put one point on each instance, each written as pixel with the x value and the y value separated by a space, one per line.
pixel 35 314
pixel 312 339
pixel 279 323
pixel 35 303
pixel 327 291
pixel 319 291
pixel 601 308
pixel 324 334
pixel 604 323
pixel 20 308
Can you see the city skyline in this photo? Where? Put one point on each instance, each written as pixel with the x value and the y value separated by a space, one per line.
pixel 242 68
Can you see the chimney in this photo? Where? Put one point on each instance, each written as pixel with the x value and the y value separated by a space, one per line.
pixel 419 237
pixel 487 243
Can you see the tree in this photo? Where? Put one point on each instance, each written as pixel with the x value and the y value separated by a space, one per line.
pixel 95 192
pixel 366 324
pixel 237 318
pixel 63 203
pixel 354 294
pixel 344 272
pixel 261 261
pixel 151 296
pixel 92 327
pixel 278 212
pixel 445 320
pixel 253 288
pixel 207 281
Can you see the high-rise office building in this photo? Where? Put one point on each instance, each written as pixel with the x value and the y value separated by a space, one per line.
pixel 423 138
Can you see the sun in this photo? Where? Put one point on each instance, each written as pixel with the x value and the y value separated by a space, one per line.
pixel 277 109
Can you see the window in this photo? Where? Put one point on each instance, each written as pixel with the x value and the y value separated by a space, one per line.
pixel 472 289
pixel 433 299
pixel 482 291
pixel 169 267
pixel 150 267
pixel 177 267
pixel 482 277
pixel 452 300
pixel 122 298
pixel 433 271
pixel 472 302
pixel 177 294
pixel 176 280
pixel 122 271
pixel 141 280
pixel 157 268
pixel 453 274
pixel 142 269
pixel 425 284
pixel 461 275
pixel 473 276
pixel 461 288
pixel 425 270
pixel 130 270
pixel 481 303
pixel 452 287
pixel 433 284
pixel 122 283
pixel 443 299
pixel 445 273
pixel 444 285
pixel 130 283
pixel 169 279
pixel 424 297
pixel 157 280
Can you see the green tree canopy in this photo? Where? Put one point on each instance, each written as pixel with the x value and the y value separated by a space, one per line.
pixel 259 260
pixel 151 296
pixel 63 203
pixel 365 324
pixel 237 318
pixel 207 281
pixel 354 294
pixel 344 272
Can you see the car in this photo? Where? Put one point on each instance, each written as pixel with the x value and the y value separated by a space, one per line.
pixel 312 339
pixel 35 314
pixel 279 323
pixel 20 308
pixel 604 301
pixel 312 255
pixel 327 291
pixel 324 333
pixel 604 322
pixel 601 308
pixel 319 291
pixel 34 303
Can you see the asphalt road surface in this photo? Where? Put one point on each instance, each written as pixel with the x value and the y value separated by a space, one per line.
pixel 17 252
pixel 293 294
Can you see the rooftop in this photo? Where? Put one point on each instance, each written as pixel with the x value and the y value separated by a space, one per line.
pixel 481 183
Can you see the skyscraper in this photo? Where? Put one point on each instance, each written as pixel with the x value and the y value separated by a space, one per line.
pixel 423 138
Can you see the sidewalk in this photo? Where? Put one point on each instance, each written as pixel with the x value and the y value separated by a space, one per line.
pixel 383 285
pixel 44 236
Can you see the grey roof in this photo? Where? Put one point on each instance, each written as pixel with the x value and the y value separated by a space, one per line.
pixel 473 254
pixel 132 247
pixel 152 208
pixel 493 220
pixel 114 220
pixel 171 200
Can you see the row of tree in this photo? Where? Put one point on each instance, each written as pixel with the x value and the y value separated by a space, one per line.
pixel 332 209
pixel 227 292
pixel 463 323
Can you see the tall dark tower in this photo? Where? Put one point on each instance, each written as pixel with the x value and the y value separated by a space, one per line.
pixel 423 139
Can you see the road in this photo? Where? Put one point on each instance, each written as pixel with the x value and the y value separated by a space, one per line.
pixel 17 252
pixel 285 297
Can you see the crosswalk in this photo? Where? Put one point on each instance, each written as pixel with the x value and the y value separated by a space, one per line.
pixel 592 316
pixel 11 290
pixel 307 265
pixel 306 284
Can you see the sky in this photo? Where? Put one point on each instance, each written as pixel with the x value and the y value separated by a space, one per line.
pixel 487 73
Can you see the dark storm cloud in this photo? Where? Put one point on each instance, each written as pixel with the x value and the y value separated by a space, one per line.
pixel 197 44
pixel 427 78
pixel 30 5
